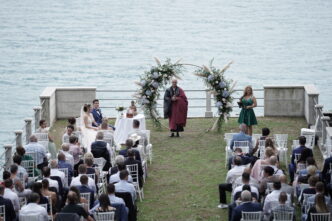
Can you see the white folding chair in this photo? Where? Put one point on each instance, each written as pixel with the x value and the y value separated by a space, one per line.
pixel 65 139
pixel 42 139
pixel 149 152
pixel 261 146
pixel 86 196
pixel 65 171
pixel 310 141
pixel 320 217
pixel 92 176
pixel 282 216
pixel 244 145
pixel 33 155
pixel 251 216
pixel 50 216
pixel 280 139
pixel 148 134
pixel 108 138
pixel 133 170
pixel 105 216
pixel 29 218
pixel 295 144
pixel 3 212
pixel 22 200
pixel 29 166
pixel 100 162
pixel 254 139
pixel 228 137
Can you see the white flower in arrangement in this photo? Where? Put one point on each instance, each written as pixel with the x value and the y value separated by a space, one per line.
pixel 148 93
pixel 229 104
pixel 155 75
pixel 155 84
pixel 225 94
pixel 210 78
pixel 218 104
pixel 222 84
pixel 143 82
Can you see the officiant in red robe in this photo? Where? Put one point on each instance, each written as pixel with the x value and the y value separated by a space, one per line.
pixel 175 108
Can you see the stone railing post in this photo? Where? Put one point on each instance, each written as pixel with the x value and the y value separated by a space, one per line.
pixel 318 115
pixel 28 129
pixel 45 109
pixel 325 121
pixel 208 110
pixel 37 110
pixel 8 155
pixel 18 135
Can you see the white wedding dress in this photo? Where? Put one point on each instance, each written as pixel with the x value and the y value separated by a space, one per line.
pixel 88 135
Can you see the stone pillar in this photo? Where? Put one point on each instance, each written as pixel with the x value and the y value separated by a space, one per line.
pixel 28 129
pixel 324 120
pixel 8 155
pixel 45 110
pixel 37 110
pixel 311 96
pixel 208 111
pixel 18 135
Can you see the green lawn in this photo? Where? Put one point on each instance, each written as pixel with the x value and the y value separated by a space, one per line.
pixel 183 178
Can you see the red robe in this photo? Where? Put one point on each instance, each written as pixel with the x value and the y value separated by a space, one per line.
pixel 179 109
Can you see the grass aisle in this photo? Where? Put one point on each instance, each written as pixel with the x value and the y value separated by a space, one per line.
pixel 185 173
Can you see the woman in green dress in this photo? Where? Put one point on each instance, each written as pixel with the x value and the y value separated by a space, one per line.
pixel 247 115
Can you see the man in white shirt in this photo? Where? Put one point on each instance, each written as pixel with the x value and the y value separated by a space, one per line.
pixel 273 163
pixel 34 147
pixel 246 181
pixel 125 186
pixel 56 172
pixel 69 157
pixel 34 209
pixel 232 175
pixel 69 132
pixel 136 131
pixel 271 199
pixel 11 195
pixel 76 180
pixel 46 174
pixel 116 177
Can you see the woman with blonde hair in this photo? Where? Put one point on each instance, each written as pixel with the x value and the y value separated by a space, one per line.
pixel 256 169
pixel 248 103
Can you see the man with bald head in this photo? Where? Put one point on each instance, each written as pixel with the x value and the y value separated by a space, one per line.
pixel 55 172
pixel 175 108
pixel 68 155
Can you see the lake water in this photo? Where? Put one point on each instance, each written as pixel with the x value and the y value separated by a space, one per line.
pixel 108 44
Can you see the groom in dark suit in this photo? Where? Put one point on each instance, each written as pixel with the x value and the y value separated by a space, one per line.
pixel 97 115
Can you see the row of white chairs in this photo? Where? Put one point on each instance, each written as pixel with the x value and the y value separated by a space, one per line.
pixel 283 216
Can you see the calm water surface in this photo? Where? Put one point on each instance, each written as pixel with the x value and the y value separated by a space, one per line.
pixel 108 44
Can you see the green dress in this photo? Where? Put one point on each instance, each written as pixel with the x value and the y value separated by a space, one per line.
pixel 247 116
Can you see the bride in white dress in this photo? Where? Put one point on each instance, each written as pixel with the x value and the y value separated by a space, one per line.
pixel 89 132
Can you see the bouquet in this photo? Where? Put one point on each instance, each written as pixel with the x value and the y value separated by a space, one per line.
pixel 119 108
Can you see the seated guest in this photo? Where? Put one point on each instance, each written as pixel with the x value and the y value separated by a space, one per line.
pixel 76 180
pixel 104 204
pixel 242 136
pixel 119 159
pixel 311 189
pixel 246 181
pixel 272 197
pixel 124 186
pixel 90 169
pixel 256 171
pixel 116 177
pixel 246 158
pixel 310 162
pixel 55 172
pixel 130 161
pixel 326 174
pixel 84 188
pixel 37 188
pixel 47 193
pixel 273 162
pixel 129 145
pixel 32 208
pixel 319 206
pixel 78 194
pixel 68 156
pixel 72 122
pixel 246 206
pixel 75 150
pixel 268 177
pixel 298 150
pixel 44 129
pixel 111 195
pixel 319 189
pixel 72 206
pixel 144 139
pixel 11 195
pixel 311 171
pixel 35 147
pixel 19 185
pixel 69 132
pixel 63 164
pixel 21 171
pixel 285 187
pixel 9 209
pixel 46 175
pixel 101 149
pixel 265 134
pixel 283 206
pixel 232 174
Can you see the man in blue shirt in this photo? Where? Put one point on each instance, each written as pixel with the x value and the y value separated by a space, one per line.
pixel 298 150
pixel 246 206
pixel 242 136
pixel 63 164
